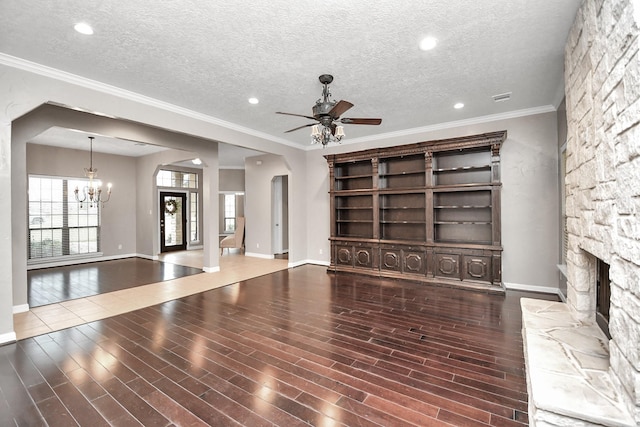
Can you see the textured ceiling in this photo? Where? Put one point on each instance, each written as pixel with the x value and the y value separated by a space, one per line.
pixel 229 156
pixel 211 56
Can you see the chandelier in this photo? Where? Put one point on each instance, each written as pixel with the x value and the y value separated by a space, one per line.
pixel 92 193
pixel 321 134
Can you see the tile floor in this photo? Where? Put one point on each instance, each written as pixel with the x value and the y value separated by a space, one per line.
pixel 234 267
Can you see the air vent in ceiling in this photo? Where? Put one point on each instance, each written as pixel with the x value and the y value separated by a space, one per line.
pixel 502 97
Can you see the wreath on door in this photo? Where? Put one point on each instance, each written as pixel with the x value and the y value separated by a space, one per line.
pixel 171 206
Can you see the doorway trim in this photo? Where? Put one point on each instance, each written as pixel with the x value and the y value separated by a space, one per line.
pixel 162 211
pixel 280 214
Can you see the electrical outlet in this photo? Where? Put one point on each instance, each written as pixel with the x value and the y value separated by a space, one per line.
pixel 320 251
pixel 119 246
pixel 258 245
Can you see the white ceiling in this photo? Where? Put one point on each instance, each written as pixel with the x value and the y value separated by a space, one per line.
pixel 211 56
pixel 229 156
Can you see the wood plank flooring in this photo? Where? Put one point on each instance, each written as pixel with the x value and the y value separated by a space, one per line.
pixel 234 267
pixel 295 347
pixel 57 284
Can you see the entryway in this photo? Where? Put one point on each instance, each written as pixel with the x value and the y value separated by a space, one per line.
pixel 173 221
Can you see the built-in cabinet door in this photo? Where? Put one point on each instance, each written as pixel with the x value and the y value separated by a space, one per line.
pixel 363 256
pixel 414 261
pixel 344 255
pixel 447 265
pixel 477 268
pixel 357 255
pixel 391 259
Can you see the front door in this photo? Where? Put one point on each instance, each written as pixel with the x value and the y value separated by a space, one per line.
pixel 173 221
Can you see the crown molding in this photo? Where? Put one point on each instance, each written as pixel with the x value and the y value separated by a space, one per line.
pixel 454 124
pixel 43 70
pixel 66 77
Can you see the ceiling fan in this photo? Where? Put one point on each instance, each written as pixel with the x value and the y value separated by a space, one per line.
pixel 327 113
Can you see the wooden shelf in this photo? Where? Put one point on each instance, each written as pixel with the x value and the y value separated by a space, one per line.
pixel 401 173
pixel 463 187
pixel 462 222
pixel 463 207
pixel 429 211
pixel 464 168
pixel 393 208
pixel 353 177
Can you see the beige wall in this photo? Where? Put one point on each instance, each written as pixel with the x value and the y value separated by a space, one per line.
pixel 118 224
pixel 231 180
pixel 259 172
pixel 530 201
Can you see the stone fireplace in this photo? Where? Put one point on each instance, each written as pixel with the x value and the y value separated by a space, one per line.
pixel 602 79
pixel 602 87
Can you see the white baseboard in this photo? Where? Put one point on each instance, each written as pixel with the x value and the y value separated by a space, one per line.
pixel 310 261
pixel 22 308
pixel 531 288
pixel 211 269
pixel 8 338
pixel 82 260
pixel 255 255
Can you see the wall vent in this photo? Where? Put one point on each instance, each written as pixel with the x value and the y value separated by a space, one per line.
pixel 502 97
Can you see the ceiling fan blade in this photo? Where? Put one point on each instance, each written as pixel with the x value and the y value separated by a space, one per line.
pixel 297 115
pixel 300 127
pixel 340 108
pixel 352 121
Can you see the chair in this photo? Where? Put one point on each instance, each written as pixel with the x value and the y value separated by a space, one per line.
pixel 237 240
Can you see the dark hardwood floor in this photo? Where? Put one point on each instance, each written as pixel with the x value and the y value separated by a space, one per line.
pixel 57 284
pixel 296 347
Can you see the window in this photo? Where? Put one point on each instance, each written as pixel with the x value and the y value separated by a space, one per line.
pixel 58 226
pixel 176 179
pixel 193 216
pixel 229 213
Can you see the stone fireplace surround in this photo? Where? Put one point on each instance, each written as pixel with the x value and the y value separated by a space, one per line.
pixel 575 375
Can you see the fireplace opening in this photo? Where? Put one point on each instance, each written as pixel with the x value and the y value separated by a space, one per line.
pixel 603 296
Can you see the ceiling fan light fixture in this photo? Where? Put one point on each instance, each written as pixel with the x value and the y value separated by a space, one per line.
pixel 326 113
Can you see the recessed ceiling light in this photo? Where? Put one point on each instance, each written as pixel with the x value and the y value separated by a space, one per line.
pixel 253 100
pixel 196 161
pixel 83 28
pixel 428 43
pixel 458 105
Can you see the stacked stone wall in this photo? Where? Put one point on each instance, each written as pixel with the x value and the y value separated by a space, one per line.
pixel 602 81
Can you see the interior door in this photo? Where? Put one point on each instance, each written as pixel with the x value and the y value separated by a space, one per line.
pixel 276 205
pixel 173 221
pixel 280 214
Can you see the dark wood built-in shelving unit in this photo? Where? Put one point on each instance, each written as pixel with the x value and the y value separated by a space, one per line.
pixel 428 211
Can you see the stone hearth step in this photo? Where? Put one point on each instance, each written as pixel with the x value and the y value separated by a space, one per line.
pixel 567 365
